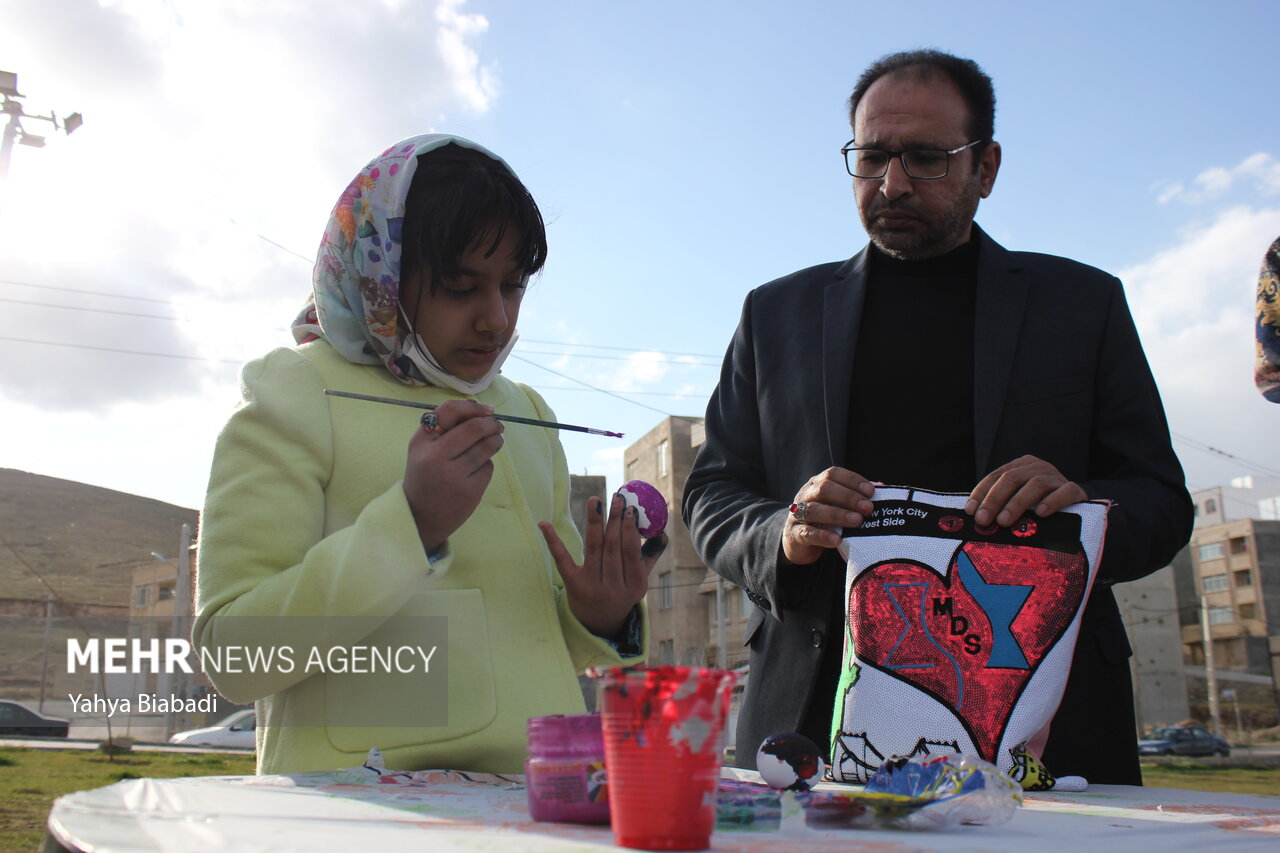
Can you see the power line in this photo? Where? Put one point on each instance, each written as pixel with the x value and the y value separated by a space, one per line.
pixel 702 395
pixel 633 350
pixel 1192 443
pixel 123 351
pixel 91 310
pixel 616 357
pixel 588 387
pixel 87 292
pixel 716 358
pixel 593 387
pixel 1213 451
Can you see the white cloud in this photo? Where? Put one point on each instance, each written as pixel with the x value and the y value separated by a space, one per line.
pixel 643 369
pixel 477 83
pixel 1193 304
pixel 208 127
pixel 1258 172
pixel 1263 168
pixel 1214 180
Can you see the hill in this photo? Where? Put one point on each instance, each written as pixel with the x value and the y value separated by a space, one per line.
pixel 81 541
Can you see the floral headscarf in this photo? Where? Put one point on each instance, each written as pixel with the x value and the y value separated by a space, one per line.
pixel 355 302
pixel 1267 326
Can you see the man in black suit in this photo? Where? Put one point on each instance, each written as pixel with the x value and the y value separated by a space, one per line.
pixel 933 358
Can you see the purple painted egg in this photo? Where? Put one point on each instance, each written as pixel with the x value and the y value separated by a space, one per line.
pixel 649 503
pixel 789 762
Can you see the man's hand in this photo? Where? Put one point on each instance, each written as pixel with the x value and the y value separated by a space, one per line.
pixel 1011 490
pixel 614 574
pixel 835 499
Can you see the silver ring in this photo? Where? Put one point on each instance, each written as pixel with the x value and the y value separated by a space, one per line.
pixel 431 422
pixel 798 510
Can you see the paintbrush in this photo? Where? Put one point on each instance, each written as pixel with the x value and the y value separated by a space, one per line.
pixel 512 418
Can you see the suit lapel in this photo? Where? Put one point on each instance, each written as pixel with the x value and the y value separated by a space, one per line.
pixel 1001 300
pixel 841 317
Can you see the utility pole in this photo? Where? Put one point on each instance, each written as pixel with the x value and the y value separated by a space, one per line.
pixel 180 625
pixel 1209 674
pixel 48 636
pixel 14 131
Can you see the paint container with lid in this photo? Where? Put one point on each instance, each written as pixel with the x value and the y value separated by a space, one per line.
pixel 564 773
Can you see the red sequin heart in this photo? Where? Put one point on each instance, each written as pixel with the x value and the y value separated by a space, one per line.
pixel 971 638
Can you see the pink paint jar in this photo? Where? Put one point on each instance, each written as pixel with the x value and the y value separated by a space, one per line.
pixel 564 773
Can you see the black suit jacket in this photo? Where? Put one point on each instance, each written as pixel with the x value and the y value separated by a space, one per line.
pixel 1059 373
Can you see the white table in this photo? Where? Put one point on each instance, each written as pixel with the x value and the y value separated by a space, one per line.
pixel 447 811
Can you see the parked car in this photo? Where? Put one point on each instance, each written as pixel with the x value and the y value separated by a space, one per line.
pixel 237 730
pixel 18 720
pixel 1183 740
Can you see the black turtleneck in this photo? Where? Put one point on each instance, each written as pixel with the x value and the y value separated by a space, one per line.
pixel 910 404
pixel 911 398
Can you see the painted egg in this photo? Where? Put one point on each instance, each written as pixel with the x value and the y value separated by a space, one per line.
pixel 649 503
pixel 789 762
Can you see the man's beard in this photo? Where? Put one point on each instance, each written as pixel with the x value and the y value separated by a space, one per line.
pixel 937 236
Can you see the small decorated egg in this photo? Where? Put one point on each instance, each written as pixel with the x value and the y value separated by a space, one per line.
pixel 649 503
pixel 789 762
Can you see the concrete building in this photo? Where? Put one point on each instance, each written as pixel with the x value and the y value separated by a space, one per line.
pixel 1149 608
pixel 693 613
pixel 581 488
pixel 1232 570
pixel 1244 497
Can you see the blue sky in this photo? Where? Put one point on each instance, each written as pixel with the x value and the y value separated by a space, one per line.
pixel 683 153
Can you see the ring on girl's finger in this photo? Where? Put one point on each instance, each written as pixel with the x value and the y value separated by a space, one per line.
pixel 798 510
pixel 431 423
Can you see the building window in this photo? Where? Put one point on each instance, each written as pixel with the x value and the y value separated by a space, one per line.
pixel 666 596
pixel 1248 611
pixel 744 604
pixel 1239 545
pixel 1244 577
pixel 1211 551
pixel 1218 615
pixel 165 593
pixel 141 595
pixel 664 448
pixel 667 651
pixel 1210 506
pixel 713 609
pixel 1213 583
pixel 633 468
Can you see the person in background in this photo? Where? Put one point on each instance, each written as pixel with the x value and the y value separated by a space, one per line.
pixel 933 358
pixel 1266 371
pixel 333 523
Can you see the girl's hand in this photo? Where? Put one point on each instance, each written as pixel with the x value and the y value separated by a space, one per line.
pixel 449 467
pixel 614 574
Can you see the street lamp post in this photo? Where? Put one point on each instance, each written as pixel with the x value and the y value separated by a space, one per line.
pixel 14 132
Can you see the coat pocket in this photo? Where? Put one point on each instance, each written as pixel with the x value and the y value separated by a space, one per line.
pixel 397 709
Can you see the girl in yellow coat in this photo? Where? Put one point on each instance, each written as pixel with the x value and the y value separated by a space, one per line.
pixel 370 582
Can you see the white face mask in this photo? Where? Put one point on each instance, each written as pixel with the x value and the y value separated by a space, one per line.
pixel 416 350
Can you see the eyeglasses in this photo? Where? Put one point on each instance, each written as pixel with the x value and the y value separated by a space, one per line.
pixel 923 164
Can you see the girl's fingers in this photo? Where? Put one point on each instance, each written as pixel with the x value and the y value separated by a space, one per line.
pixel 592 545
pixel 612 541
pixel 564 561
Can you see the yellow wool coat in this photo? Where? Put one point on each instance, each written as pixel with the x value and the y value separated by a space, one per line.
pixel 307 542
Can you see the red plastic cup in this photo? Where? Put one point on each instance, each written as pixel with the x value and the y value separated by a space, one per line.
pixel 663 736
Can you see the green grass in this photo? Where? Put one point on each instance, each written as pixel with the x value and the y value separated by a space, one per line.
pixel 30 780
pixel 1202 776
